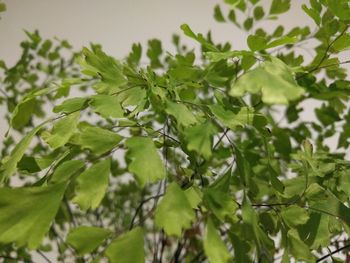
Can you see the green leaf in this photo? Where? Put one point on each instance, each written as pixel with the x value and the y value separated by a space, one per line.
pixel 92 185
pixel 232 2
pixel 98 140
pixel 282 41
pixel 71 105
pixel 2 7
pixel 181 113
pixel 340 8
pixel 65 170
pixel 23 113
pixel 222 183
pixel 219 17
pixel 230 119
pixel 258 12
pixel 136 96
pixel 200 138
pixel 174 212
pixel 145 161
pixel 327 115
pixel 342 43
pixel 62 131
pixel 324 201
pixel 97 64
pixel 279 7
pixel 273 79
pixel 256 43
pixel 107 106
pixel 85 239
pixel 199 38
pixel 250 218
pixel 316 232
pixel 194 196
pixel 214 247
pixel 220 203
pixel 9 163
pixel 135 55
pixel 294 215
pixel 314 14
pixel 217 56
pixel 26 213
pixel 154 52
pixel 232 17
pixel 344 182
pixel 127 248
pixel 248 23
pixel 298 248
pixel 25 109
pixel 31 164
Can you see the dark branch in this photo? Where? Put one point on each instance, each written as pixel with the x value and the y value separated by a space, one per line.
pixel 333 252
pixel 44 256
pixel 138 209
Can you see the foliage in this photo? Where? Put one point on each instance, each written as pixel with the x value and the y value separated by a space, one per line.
pixel 188 158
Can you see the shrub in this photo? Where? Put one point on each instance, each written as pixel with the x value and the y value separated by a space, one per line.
pixel 187 158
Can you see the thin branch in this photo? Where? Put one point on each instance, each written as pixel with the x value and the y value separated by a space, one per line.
pixel 333 252
pixel 140 207
pixel 328 48
pixel 197 258
pixel 43 255
pixel 123 90
pixel 221 138
pixel 70 212
pixel 318 66
pixel 334 64
pixel 162 247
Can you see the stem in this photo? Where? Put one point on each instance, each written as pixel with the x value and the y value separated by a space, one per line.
pixel 138 209
pixel 318 66
pixel 178 252
pixel 332 253
pixel 43 255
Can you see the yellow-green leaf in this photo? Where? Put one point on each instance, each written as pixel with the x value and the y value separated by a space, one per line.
pixel 92 185
pixel 85 239
pixel 144 159
pixel 26 213
pixel 214 247
pixel 127 248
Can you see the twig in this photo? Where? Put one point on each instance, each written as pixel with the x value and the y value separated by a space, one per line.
pixel 332 253
pixel 197 258
pixel 221 138
pixel 123 90
pixel 43 255
pixel 162 247
pixel 325 54
pixel 178 252
pixel 328 48
pixel 140 207
pixel 70 212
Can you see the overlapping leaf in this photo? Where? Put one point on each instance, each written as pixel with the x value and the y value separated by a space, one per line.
pixel 27 212
pixel 174 212
pixel 92 185
pixel 127 248
pixel 273 79
pixel 145 161
pixel 86 239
